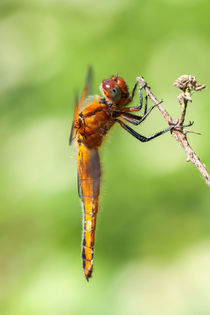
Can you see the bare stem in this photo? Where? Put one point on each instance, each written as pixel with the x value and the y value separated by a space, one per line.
pixel 186 84
pixel 183 112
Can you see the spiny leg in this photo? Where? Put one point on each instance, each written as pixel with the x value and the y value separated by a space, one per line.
pixel 134 108
pixel 141 103
pixel 145 139
pixel 133 119
pixel 145 106
pixel 136 120
pixel 147 112
pixel 139 107
pixel 141 100
pixel 133 91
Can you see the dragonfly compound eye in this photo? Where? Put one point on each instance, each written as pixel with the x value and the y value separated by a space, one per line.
pixel 111 90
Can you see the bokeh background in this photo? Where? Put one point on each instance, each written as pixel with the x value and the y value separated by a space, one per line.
pixel 152 253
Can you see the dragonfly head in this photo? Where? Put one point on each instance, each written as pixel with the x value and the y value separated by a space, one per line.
pixel 115 90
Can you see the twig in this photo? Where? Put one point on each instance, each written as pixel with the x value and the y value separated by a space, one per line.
pixel 187 84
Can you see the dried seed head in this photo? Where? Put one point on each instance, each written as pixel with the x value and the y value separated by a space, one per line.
pixel 187 83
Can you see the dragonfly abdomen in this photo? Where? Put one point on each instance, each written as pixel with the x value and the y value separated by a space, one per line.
pixel 89 225
pixel 89 187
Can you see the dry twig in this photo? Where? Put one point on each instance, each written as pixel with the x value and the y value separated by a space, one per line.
pixel 187 84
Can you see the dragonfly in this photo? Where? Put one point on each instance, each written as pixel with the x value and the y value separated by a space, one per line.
pixel 93 118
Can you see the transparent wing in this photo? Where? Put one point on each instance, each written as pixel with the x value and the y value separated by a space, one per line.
pixel 79 104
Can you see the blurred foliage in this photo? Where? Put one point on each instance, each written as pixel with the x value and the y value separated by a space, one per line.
pixel 154 206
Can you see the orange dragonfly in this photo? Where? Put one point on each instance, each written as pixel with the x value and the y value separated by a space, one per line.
pixel 93 117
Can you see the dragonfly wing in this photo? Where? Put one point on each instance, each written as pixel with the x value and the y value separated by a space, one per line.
pixel 78 104
pixel 76 115
pixel 88 86
pixel 89 172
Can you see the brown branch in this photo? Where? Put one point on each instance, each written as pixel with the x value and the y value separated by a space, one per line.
pixel 187 84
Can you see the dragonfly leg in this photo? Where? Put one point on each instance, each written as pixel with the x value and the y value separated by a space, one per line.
pixel 145 106
pixel 140 137
pixel 133 119
pixel 133 91
pixel 139 107
pixel 136 120
pixel 145 139
pixel 141 102
pixel 147 112
pixel 134 108
pixel 140 97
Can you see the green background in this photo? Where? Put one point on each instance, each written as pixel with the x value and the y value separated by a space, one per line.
pixel 152 252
